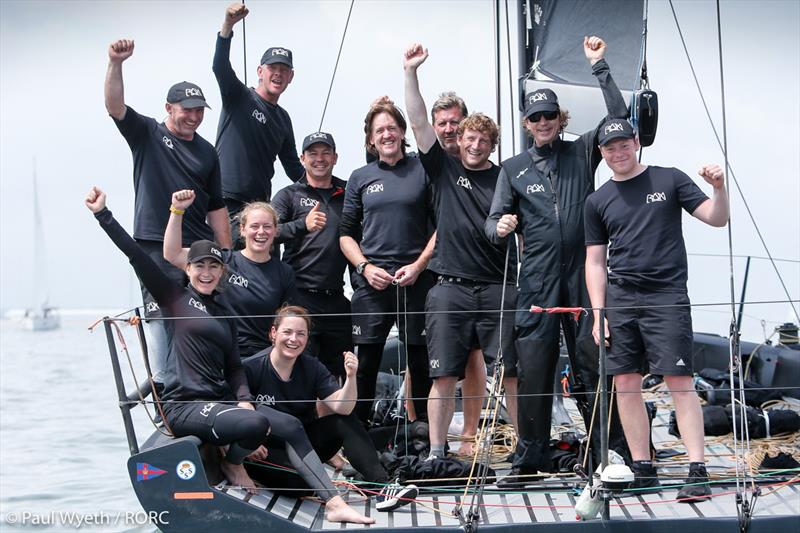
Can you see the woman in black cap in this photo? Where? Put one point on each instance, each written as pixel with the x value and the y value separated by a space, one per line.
pixel 256 283
pixel 209 397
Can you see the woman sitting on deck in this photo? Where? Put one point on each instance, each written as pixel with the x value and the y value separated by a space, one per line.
pixel 206 356
pixel 291 389
pixel 209 377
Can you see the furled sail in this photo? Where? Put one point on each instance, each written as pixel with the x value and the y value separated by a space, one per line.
pixel 554 52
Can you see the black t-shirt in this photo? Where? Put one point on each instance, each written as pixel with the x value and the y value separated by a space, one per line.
pixel 310 380
pixel 251 134
pixel 204 349
pixel 640 219
pixel 463 198
pixel 163 164
pixel 387 211
pixel 316 257
pixel 252 288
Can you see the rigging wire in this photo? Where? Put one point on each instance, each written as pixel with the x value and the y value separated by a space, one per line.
pixel 336 66
pixel 730 172
pixel 244 46
pixel 510 86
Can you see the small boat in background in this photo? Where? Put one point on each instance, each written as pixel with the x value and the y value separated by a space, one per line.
pixel 42 317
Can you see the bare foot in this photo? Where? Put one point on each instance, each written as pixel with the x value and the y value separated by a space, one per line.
pixel 337 510
pixel 237 476
pixel 337 462
pixel 468 447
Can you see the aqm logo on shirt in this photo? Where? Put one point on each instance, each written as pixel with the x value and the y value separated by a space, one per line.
pixel 239 281
pixel 197 305
pixel 464 182
pixel 259 116
pixel 656 197
pixel 375 187
pixel 308 202
pixel 167 142
pixel 536 187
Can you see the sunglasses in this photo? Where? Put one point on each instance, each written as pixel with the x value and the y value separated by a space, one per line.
pixel 548 115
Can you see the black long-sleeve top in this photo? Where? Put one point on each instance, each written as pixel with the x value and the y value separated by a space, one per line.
pixel 252 132
pixel 204 349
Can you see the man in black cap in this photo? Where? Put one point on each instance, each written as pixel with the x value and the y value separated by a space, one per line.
pixel 471 270
pixel 253 129
pixel 167 157
pixel 540 194
pixel 638 211
pixel 309 212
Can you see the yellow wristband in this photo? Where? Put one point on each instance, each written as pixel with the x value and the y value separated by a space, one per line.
pixel 176 210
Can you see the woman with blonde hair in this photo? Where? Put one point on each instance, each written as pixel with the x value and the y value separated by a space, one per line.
pixel 256 282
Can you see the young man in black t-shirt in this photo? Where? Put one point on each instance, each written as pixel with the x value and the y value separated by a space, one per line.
pixel 167 157
pixel 253 129
pixel 470 268
pixel 638 212
pixel 309 213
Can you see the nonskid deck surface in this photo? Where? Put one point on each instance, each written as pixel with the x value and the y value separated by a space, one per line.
pixel 552 501
pixel 556 505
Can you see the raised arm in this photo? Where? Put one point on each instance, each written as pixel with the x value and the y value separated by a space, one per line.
pixel 228 83
pixel 114 89
pixel 154 279
pixel 424 133
pixel 594 48
pixel 714 211
pixel 174 252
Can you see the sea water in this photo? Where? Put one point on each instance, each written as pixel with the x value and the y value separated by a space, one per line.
pixel 63 450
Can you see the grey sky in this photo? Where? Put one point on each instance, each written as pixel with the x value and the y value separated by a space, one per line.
pixel 53 60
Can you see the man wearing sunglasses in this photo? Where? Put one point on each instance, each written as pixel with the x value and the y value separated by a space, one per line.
pixel 540 195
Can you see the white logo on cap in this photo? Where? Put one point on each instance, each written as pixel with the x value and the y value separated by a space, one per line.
pixel 216 252
pixel 656 197
pixel 615 126
pixel 537 97
pixel 680 362
pixel 167 142
pixel 259 116
pixel 193 91
pixel 536 187
pixel 280 52
pixel 319 135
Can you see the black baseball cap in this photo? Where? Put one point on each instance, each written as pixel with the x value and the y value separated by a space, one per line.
pixel 615 128
pixel 187 94
pixel 204 250
pixel 319 137
pixel 540 100
pixel 277 54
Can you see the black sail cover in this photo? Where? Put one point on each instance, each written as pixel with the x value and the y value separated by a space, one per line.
pixel 556 29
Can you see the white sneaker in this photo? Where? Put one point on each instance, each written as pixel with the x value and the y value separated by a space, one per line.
pixel 395 495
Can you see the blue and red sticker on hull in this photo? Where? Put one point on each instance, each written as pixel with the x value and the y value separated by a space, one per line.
pixel 146 472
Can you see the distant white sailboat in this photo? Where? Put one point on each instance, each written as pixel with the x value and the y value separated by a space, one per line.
pixel 43 317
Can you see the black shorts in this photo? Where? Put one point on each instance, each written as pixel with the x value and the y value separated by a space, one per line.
pixel 330 336
pixel 374 311
pixel 155 249
pixel 645 339
pixel 454 328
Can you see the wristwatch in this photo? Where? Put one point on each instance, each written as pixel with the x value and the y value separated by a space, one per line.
pixel 360 267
